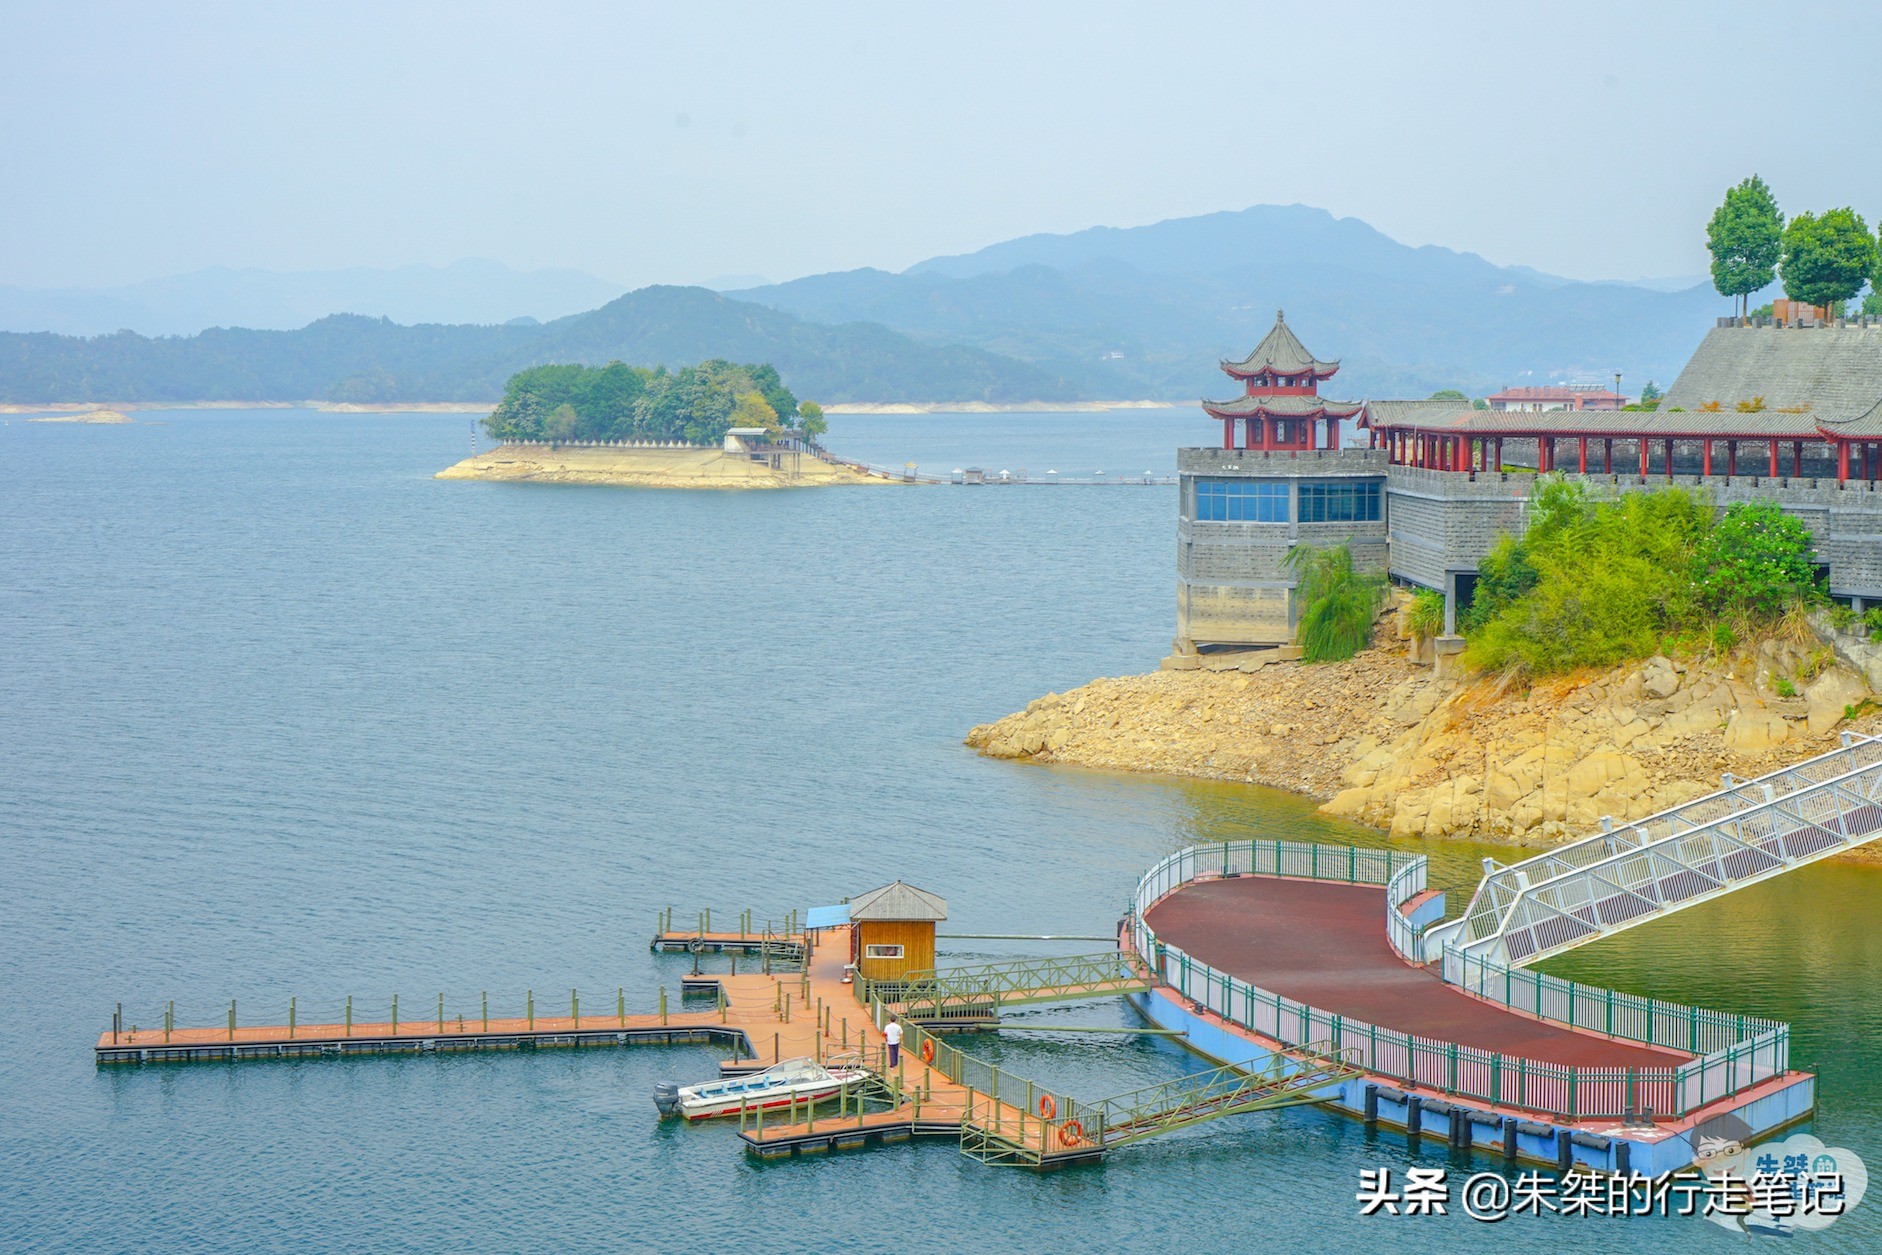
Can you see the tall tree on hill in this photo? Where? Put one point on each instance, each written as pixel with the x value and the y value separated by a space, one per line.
pixel 1746 236
pixel 1827 259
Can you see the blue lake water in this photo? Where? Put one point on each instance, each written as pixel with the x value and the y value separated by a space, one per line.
pixel 281 715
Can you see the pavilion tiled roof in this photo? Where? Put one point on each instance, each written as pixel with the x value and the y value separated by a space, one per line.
pixel 1281 352
pixel 1833 370
pixel 1284 406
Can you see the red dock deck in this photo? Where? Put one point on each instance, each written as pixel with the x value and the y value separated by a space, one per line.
pixel 1325 944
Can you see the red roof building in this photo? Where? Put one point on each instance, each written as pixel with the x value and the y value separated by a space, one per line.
pixel 1556 397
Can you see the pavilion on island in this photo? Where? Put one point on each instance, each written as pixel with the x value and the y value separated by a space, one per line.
pixel 1281 407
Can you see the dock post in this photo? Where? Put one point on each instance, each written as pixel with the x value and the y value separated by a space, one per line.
pixel 117 1022
pixel 395 1015
pixel 349 1015
pixel 231 1019
pixel 575 1010
pixel 1564 1150
pixel 663 1004
pixel 530 1004
pixel 846 1032
pixel 1414 1115
pixel 1372 1106
pixel 724 1003
pixel 735 963
pixel 169 1020
pixel 291 1014
pixel 620 1004
pixel 774 1048
pixel 486 1010
pixel 440 1012
pixel 1511 1125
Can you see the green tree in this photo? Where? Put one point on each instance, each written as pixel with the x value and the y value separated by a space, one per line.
pixel 1745 236
pixel 1448 394
pixel 752 410
pixel 811 422
pixel 1828 258
pixel 1338 603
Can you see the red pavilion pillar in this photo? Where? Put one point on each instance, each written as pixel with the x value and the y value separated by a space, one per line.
pixel 1607 450
pixel 1705 459
pixel 1797 459
pixel 1644 456
pixel 1583 448
pixel 1731 459
pixel 1842 461
pixel 1228 433
pixel 1774 459
pixel 1668 451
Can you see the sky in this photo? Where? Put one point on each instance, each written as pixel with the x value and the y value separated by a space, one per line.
pixel 682 142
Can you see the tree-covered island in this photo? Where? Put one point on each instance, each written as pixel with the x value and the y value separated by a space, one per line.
pixel 697 404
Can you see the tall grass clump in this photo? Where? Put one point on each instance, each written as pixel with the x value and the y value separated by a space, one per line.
pixel 1594 582
pixel 1338 603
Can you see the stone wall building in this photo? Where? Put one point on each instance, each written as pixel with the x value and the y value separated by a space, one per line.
pixel 1790 414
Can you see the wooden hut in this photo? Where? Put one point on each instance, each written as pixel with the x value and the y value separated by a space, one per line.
pixel 893 931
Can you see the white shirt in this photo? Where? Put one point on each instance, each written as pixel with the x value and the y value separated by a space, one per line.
pixel 893 1033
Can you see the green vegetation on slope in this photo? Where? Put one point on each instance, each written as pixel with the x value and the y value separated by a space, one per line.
pixel 1592 582
pixel 619 402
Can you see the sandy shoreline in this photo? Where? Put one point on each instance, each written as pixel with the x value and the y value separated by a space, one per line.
pixel 328 407
pixel 649 467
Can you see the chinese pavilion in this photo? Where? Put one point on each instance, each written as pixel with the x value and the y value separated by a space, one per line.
pixel 1281 407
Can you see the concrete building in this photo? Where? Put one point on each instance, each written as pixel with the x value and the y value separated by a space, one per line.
pixel 1793 415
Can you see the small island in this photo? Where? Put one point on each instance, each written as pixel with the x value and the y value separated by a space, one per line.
pixel 99 417
pixel 718 424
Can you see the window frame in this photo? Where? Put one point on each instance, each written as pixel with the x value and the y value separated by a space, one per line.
pixel 881 951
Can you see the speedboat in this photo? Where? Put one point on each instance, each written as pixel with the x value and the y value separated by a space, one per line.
pixel 781 1085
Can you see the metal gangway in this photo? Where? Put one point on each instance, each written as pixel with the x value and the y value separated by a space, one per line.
pixel 1626 875
pixel 979 991
pixel 1298 1075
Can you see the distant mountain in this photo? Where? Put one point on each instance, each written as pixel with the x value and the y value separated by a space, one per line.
pixel 353 358
pixel 469 291
pixel 1147 311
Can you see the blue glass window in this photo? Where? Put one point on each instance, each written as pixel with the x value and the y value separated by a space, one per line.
pixel 1340 501
pixel 1241 501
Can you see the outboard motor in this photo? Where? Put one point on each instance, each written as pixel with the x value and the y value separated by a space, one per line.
pixel 666 1096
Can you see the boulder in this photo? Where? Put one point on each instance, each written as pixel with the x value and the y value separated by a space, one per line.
pixel 1833 692
pixel 1658 679
pixel 1754 730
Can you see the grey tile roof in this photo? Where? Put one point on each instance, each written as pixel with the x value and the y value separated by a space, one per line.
pixel 1449 416
pixel 1834 370
pixel 1281 407
pixel 898 902
pixel 1282 352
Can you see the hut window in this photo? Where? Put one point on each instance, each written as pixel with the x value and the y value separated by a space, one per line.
pixel 882 952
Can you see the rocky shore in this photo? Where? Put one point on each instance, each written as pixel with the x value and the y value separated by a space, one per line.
pixel 648 467
pixel 1388 742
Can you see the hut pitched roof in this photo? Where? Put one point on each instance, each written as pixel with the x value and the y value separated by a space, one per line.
pixel 1281 352
pixel 898 901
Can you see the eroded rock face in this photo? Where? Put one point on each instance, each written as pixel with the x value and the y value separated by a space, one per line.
pixel 1388 744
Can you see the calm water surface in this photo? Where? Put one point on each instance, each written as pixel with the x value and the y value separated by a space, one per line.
pixel 282 715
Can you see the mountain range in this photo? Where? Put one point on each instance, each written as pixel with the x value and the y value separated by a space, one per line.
pixel 1106 313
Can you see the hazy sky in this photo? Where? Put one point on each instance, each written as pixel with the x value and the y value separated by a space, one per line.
pixel 682 141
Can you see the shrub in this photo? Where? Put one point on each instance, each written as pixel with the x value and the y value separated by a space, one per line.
pixel 1757 558
pixel 1783 687
pixel 1426 616
pixel 1338 603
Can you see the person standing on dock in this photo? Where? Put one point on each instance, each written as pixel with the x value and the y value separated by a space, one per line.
pixel 893 1035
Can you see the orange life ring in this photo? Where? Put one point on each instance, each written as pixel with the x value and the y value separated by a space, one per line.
pixel 1071 1133
pixel 927 1050
pixel 1047 1108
